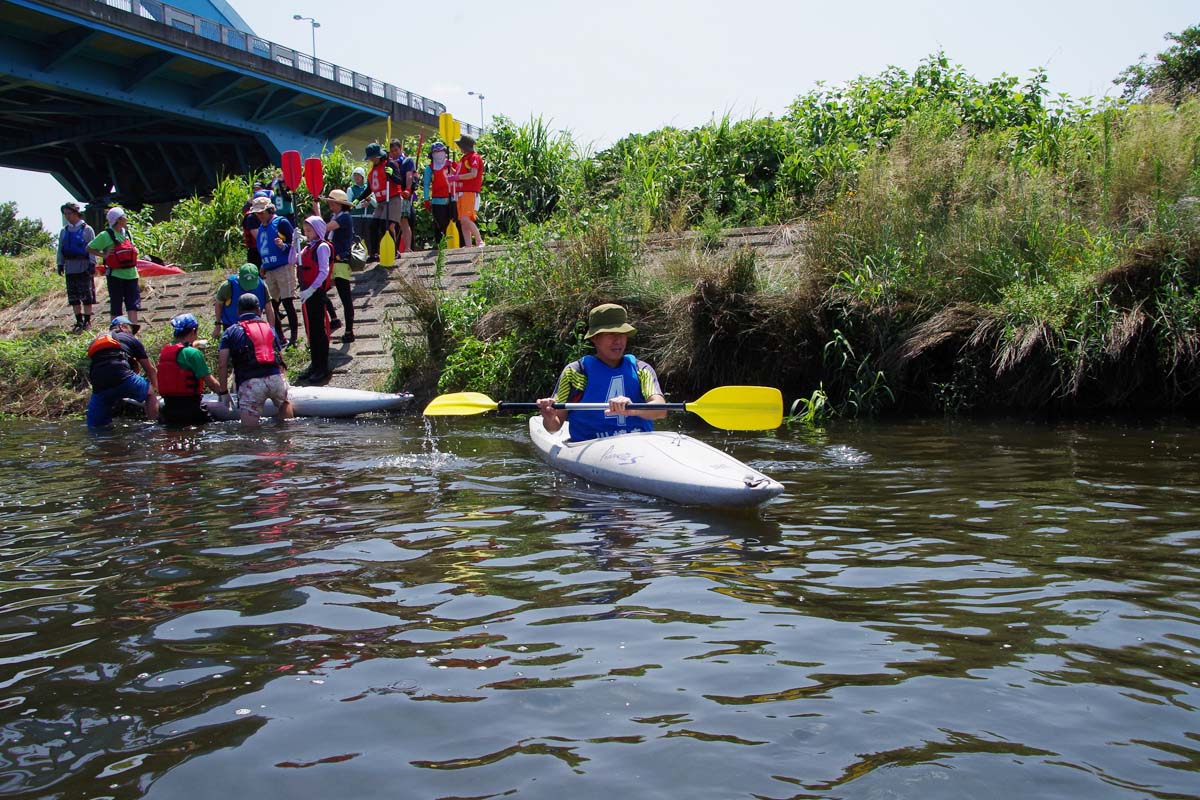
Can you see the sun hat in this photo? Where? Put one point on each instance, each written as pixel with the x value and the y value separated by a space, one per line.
pixel 436 147
pixel 337 196
pixel 608 318
pixel 374 150
pixel 262 193
pixel 465 139
pixel 70 206
pixel 261 204
pixel 248 277
pixel 247 303
pixel 122 320
pixel 183 323
pixel 360 171
pixel 114 214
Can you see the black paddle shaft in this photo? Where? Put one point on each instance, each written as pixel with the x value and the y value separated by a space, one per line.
pixel 503 406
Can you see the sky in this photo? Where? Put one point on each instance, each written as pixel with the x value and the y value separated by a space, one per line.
pixel 605 70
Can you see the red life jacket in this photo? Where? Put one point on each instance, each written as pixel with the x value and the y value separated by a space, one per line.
pixel 309 269
pixel 174 380
pixel 383 187
pixel 262 336
pixel 249 235
pixel 468 162
pixel 439 183
pixel 123 254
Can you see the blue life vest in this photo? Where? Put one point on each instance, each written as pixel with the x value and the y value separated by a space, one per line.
pixel 229 313
pixel 73 245
pixel 603 384
pixel 273 256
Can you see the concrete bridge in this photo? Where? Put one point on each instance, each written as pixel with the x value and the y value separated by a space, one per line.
pixel 139 102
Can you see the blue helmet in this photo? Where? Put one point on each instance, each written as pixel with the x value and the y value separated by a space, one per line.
pixel 184 323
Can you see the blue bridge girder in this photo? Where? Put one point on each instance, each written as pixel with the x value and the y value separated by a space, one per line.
pixel 137 102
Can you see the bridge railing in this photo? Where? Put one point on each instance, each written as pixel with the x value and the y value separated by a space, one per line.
pixel 301 62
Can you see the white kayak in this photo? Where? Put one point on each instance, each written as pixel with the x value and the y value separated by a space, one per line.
pixel 661 463
pixel 320 401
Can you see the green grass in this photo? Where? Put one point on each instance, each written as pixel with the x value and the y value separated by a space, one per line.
pixel 31 275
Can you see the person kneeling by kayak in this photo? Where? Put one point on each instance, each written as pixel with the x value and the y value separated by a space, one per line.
pixel 114 356
pixel 254 348
pixel 182 375
pixel 611 376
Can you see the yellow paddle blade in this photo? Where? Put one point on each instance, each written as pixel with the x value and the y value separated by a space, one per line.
pixel 460 404
pixel 740 408
pixel 387 250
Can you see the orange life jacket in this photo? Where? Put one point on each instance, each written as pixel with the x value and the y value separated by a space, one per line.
pixel 105 341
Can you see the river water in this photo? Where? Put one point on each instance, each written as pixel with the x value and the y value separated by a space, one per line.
pixel 386 609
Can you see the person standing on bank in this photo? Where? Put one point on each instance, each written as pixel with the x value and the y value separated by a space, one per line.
pixel 115 245
pixel 339 231
pixel 113 356
pixel 468 183
pixel 384 183
pixel 78 264
pixel 314 274
pixel 252 348
pixel 435 186
pixel 362 203
pixel 182 375
pixel 611 376
pixel 407 182
pixel 275 248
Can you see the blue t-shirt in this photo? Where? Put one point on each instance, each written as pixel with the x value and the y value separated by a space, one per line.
pixel 342 238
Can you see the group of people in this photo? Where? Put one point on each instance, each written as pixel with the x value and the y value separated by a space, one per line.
pixel 282 265
pixel 253 349
pixel 171 388
pixel 80 249
pixel 450 190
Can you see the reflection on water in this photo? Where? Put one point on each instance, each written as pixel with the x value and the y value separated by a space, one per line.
pixel 371 610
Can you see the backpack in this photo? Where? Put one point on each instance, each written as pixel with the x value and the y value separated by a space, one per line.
pixel 73 245
pixel 123 255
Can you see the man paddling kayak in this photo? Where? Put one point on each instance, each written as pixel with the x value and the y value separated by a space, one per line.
pixel 611 376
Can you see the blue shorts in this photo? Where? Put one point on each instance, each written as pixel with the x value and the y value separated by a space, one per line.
pixel 100 407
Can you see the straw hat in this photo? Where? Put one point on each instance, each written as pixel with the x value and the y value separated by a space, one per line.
pixel 338 196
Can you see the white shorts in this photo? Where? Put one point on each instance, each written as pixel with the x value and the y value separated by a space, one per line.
pixel 255 392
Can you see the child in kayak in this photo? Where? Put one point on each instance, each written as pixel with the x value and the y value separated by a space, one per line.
pixel 610 376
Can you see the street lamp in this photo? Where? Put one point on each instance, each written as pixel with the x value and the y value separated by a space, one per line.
pixel 481 99
pixel 315 25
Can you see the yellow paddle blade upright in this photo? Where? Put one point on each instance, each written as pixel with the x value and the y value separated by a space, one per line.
pixel 460 404
pixel 740 408
pixel 387 250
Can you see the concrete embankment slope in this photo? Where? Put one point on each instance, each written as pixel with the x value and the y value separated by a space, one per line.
pixel 380 311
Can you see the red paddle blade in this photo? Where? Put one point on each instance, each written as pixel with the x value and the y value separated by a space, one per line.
pixel 291 169
pixel 314 176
